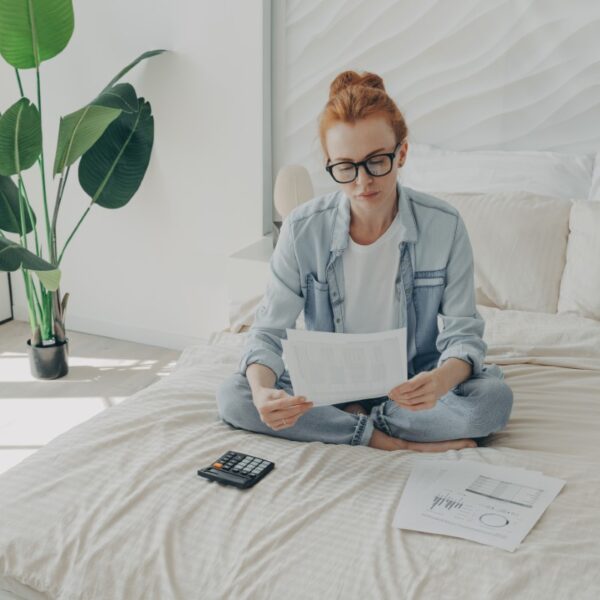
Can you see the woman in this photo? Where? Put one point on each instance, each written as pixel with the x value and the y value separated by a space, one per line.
pixel 370 257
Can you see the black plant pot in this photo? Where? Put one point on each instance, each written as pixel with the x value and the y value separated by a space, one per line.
pixel 49 362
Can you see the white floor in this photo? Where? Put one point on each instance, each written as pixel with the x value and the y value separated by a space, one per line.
pixel 102 372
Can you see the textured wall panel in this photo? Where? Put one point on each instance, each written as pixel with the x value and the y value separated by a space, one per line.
pixel 468 74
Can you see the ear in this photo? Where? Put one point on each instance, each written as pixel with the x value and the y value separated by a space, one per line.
pixel 402 154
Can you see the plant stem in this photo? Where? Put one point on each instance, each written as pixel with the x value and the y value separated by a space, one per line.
pixel 33 321
pixel 59 194
pixel 23 191
pixel 19 82
pixel 42 169
pixel 22 183
pixel 56 302
pixel 73 232
pixel 39 312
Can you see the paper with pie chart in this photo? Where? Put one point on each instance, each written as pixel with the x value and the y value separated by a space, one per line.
pixel 489 504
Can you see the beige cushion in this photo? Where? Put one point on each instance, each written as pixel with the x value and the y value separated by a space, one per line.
pixel 580 286
pixel 519 244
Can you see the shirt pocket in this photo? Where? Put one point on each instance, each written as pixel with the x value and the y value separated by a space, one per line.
pixel 318 314
pixel 428 291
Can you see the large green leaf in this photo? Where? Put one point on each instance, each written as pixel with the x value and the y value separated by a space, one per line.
pixel 121 96
pixel 50 279
pixel 111 171
pixel 32 31
pixel 79 131
pixel 10 214
pixel 130 66
pixel 13 256
pixel 20 137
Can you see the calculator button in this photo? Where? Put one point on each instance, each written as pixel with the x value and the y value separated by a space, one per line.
pixel 217 465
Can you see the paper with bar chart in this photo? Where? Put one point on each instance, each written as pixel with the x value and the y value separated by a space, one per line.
pixel 331 368
pixel 489 504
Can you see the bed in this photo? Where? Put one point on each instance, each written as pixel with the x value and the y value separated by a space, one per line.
pixel 113 509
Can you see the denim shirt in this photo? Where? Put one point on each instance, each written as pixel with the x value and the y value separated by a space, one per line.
pixel 435 276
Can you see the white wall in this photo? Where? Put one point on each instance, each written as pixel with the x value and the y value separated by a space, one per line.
pixel 468 74
pixel 154 270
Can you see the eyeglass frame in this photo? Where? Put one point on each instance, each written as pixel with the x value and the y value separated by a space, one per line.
pixel 390 155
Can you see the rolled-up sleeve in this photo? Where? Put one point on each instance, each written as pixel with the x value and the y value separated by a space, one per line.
pixel 278 309
pixel 461 334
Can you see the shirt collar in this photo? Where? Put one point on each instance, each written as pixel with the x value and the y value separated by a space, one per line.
pixel 341 229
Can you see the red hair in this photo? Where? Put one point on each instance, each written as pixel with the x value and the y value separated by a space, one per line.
pixel 352 97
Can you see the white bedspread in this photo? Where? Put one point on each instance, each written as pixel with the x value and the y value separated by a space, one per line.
pixel 113 509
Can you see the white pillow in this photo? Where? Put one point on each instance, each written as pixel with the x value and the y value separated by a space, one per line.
pixel 519 245
pixel 432 169
pixel 580 286
pixel 595 189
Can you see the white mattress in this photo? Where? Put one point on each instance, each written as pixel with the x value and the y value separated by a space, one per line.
pixel 113 509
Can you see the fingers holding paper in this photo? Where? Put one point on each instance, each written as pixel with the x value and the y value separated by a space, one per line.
pixel 279 410
pixel 419 393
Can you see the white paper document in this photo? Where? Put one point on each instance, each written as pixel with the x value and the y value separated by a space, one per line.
pixel 489 504
pixel 330 368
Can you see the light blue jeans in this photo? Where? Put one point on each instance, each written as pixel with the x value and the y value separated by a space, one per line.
pixel 475 408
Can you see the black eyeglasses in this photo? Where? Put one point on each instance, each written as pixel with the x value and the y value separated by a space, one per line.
pixel 377 165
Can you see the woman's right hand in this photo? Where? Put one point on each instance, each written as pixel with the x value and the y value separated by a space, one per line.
pixel 275 405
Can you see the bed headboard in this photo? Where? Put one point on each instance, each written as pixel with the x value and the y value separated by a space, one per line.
pixel 500 74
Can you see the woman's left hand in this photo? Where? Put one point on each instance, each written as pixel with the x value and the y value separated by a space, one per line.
pixel 421 392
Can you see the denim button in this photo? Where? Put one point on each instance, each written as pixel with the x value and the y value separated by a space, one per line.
pixel 337 320
pixel 334 294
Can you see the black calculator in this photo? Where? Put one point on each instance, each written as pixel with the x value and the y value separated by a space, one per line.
pixel 238 469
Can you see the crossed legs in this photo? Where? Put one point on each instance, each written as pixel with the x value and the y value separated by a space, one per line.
pixel 477 407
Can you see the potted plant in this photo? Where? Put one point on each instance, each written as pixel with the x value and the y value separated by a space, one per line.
pixel 112 139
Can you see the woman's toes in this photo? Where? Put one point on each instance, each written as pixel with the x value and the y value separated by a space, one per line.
pixel 442 446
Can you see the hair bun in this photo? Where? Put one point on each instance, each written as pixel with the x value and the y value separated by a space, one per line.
pixel 348 78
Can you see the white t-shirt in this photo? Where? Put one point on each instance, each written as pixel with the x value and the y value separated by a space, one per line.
pixel 370 271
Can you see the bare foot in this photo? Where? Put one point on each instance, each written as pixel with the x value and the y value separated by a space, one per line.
pixel 356 408
pixel 385 442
